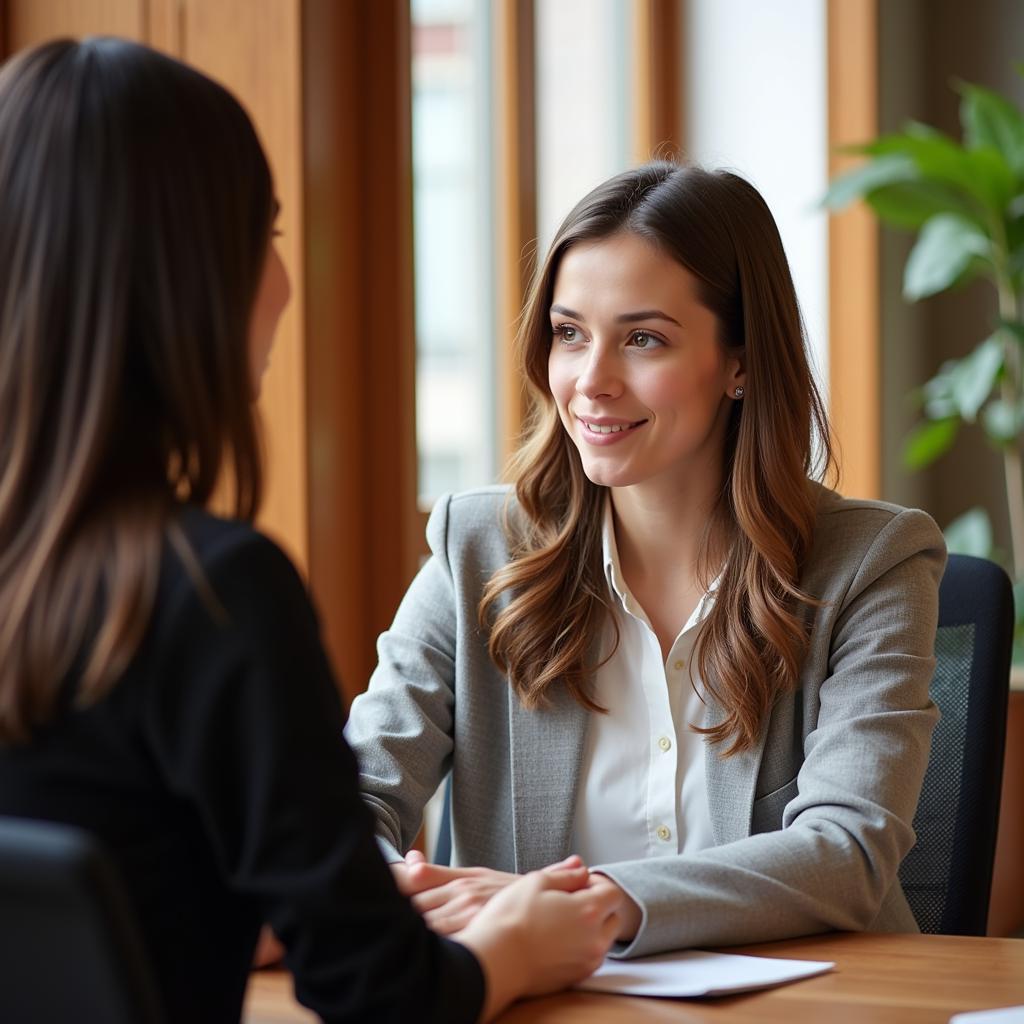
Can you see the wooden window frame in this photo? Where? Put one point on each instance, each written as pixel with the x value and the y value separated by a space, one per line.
pixel 853 253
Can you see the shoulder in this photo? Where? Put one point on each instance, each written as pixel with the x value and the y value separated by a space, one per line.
pixel 857 521
pixel 857 537
pixel 472 521
pixel 211 564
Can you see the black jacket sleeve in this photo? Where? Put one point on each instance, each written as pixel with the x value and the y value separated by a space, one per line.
pixel 246 723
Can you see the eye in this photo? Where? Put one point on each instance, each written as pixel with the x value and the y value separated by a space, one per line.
pixel 645 340
pixel 569 334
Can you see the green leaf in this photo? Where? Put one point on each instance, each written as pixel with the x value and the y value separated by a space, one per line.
pixel 1015 327
pixel 990 120
pixel 943 253
pixel 937 393
pixel 909 204
pixel 1003 420
pixel 1018 601
pixel 866 178
pixel 929 440
pixel 992 171
pixel 970 534
pixel 974 376
pixel 986 178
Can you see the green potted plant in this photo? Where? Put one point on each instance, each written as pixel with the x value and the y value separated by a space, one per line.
pixel 965 201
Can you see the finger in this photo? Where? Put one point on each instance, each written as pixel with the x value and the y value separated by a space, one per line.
pixel 431 899
pixel 564 879
pixel 572 861
pixel 448 920
pixel 415 857
pixel 608 899
pixel 400 874
pixel 424 876
pixel 609 929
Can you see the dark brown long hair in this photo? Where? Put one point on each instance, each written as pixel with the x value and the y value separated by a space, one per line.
pixel 135 214
pixel 546 606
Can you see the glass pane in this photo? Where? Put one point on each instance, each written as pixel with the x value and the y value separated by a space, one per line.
pixel 584 102
pixel 453 225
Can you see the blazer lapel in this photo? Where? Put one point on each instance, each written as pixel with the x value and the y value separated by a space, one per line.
pixel 546 747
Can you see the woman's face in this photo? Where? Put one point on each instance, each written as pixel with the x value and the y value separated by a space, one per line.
pixel 271 299
pixel 642 382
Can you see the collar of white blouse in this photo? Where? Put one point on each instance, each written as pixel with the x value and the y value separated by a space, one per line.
pixel 617 583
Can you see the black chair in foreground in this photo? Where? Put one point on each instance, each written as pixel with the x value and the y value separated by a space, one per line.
pixel 69 947
pixel 947 876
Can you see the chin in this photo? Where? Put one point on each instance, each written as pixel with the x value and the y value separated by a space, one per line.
pixel 608 476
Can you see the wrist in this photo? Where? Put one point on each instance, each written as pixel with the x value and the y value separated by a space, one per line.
pixel 630 912
pixel 503 963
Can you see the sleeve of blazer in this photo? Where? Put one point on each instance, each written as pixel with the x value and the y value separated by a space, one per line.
pixel 246 727
pixel 847 825
pixel 401 727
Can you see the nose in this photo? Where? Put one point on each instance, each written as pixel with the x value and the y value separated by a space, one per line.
pixel 600 377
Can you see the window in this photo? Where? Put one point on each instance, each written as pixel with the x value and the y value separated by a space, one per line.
pixel 454 251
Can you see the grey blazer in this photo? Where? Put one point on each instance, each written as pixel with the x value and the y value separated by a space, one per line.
pixel 811 826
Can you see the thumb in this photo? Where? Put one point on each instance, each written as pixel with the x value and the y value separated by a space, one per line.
pixel 568 879
pixel 572 861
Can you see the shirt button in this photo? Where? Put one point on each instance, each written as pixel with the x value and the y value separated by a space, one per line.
pixel 679 665
pixel 665 743
pixel 663 833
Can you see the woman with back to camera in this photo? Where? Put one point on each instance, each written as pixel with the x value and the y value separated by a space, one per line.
pixel 667 649
pixel 162 682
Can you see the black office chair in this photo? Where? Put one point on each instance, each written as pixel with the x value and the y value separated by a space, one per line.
pixel 947 876
pixel 69 948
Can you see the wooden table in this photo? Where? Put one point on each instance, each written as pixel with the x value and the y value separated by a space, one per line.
pixel 878 979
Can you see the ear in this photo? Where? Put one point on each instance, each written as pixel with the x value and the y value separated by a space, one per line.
pixel 735 372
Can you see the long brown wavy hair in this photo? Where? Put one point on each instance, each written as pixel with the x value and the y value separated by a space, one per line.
pixel 545 608
pixel 135 216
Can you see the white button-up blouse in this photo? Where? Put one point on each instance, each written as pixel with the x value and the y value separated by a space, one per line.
pixel 642 791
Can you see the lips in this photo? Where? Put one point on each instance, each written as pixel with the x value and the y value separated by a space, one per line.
pixel 605 430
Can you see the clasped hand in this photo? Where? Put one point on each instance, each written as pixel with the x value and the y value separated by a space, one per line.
pixel 449 898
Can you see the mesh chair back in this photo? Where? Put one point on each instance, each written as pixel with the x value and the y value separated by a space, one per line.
pixel 69 948
pixel 947 876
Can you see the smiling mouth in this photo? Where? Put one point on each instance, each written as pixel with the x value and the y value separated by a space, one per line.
pixel 610 428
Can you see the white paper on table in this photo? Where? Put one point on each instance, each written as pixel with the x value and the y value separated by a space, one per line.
pixel 695 973
pixel 1006 1015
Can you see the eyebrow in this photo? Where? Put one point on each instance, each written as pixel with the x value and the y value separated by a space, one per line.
pixel 623 318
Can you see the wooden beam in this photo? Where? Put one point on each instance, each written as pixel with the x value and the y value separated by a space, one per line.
pixel 516 189
pixel 657 79
pixel 854 302
pixel 253 47
pixel 165 26
pixel 360 332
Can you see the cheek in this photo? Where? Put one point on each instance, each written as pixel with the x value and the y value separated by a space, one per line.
pixel 695 390
pixel 560 383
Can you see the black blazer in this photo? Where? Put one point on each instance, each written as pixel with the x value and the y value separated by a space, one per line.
pixel 216 774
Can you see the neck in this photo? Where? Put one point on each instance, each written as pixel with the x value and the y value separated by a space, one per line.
pixel 658 530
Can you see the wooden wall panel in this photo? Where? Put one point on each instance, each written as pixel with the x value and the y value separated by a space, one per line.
pixel 327 83
pixel 657 79
pixel 360 332
pixel 515 168
pixel 854 302
pixel 28 22
pixel 253 47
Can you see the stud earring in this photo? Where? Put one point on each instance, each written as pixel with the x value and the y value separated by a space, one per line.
pixel 739 392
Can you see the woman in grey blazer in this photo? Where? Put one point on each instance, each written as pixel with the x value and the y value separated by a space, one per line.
pixel 666 648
